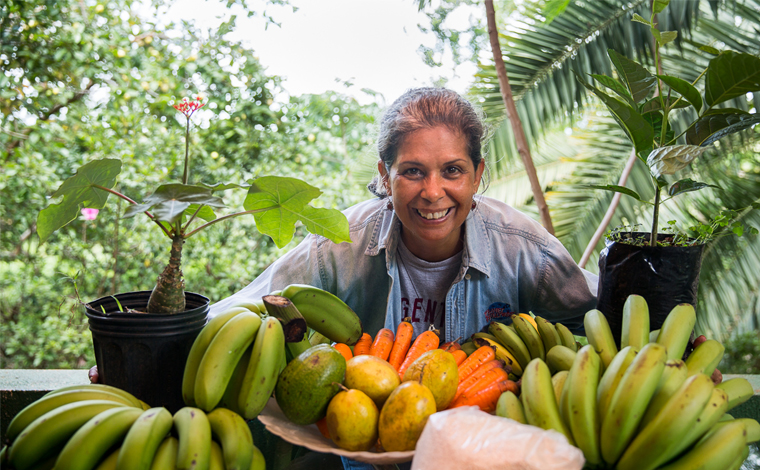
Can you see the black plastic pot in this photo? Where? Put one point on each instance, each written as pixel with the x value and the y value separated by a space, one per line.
pixel 145 354
pixel 664 276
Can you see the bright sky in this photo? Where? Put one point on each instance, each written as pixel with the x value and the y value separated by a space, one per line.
pixel 369 43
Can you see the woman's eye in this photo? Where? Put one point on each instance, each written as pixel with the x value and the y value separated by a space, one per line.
pixel 452 170
pixel 413 172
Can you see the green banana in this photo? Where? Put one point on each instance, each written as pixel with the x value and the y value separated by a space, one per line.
pixel 635 328
pixel 726 417
pixel 295 349
pixel 539 403
pixel 509 338
pixel 653 336
pixel 469 347
pixel 560 358
pixel 318 338
pixel 583 379
pixel 142 441
pixel 530 337
pixel 44 436
pixel 630 400
pixel 90 443
pixel 600 336
pixel 715 451
pixel 325 313
pixel 216 460
pixel 198 349
pixel 753 429
pixel 50 402
pixel 166 455
pixel 547 332
pixel 502 354
pixel 566 336
pixel 739 460
pixel 673 376
pixel 235 384
pixel 194 435
pixel 267 357
pixel 705 357
pixel 232 432
pixel 251 305
pixel 510 406
pixel 258 462
pixel 221 357
pixel 711 414
pixel 483 335
pixel 109 463
pixel 558 383
pixel 89 387
pixel 738 389
pixel 655 443
pixel 676 330
pixel 612 377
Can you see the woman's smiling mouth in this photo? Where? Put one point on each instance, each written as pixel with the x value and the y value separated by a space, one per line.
pixel 433 215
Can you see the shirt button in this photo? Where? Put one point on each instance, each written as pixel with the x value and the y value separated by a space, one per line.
pixel 467 276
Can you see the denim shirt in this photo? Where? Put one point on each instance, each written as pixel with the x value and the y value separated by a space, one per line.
pixel 508 258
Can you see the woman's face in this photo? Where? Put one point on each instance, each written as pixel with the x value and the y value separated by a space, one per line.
pixel 432 183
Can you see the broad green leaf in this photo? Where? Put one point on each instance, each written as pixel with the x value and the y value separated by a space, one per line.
pixel 640 19
pixel 329 223
pixel 709 49
pixel 685 89
pixel 282 201
pixel 659 5
pixel 554 8
pixel 169 201
pixel 664 37
pixel 653 105
pixel 655 120
pixel 667 160
pixel 79 192
pixel 724 111
pixel 729 75
pixel 206 213
pixel 687 184
pixel 224 186
pixel 712 127
pixel 613 85
pixel 638 79
pixel 636 127
pixel 617 189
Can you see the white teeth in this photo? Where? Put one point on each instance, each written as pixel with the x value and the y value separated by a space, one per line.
pixel 433 215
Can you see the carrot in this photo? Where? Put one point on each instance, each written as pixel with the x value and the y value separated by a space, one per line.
pixel 460 356
pixel 477 374
pixel 382 345
pixel 344 349
pixel 487 397
pixel 322 426
pixel 481 355
pixel 480 380
pixel 362 346
pixel 451 346
pixel 426 341
pixel 401 343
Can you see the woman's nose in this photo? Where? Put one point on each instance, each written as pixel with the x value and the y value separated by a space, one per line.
pixel 433 189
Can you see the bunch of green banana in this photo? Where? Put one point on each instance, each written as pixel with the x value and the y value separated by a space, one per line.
pixel 325 313
pixel 234 361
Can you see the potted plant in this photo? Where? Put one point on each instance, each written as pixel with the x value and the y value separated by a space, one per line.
pixel 141 339
pixel 666 272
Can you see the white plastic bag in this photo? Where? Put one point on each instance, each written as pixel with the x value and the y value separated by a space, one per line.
pixel 469 438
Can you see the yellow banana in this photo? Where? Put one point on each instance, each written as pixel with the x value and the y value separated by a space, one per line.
pixel 560 358
pixel 612 377
pixel 673 376
pixel 630 400
pixel 109 463
pixel 216 462
pixel 166 455
pixel 712 412
pixel 566 336
pixel 251 305
pixel 258 462
pixel 194 435
pixel 653 336
pixel 530 337
pixel 44 436
pixel 655 443
pixel 600 336
pixel 198 349
pixel 509 338
pixel 705 357
pixel 267 357
pixel 89 387
pixel 325 313
pixel 738 389
pixel 676 330
pixel 583 379
pixel 635 328
pixel 539 403
pixel 91 442
pixel 230 399
pixel 715 451
pixel 502 354
pixel 143 439
pixel 510 406
pixel 558 383
pixel 547 332
pixel 232 432
pixel 530 320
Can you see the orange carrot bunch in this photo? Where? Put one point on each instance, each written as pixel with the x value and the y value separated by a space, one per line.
pixel 363 345
pixel 426 341
pixel 486 396
pixel 401 344
pixel 481 355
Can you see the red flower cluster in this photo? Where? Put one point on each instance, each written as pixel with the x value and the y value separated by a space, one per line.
pixel 188 106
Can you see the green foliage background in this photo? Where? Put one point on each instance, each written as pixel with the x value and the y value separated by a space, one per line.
pixel 90 79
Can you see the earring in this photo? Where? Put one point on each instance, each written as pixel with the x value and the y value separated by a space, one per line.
pixel 389 206
pixel 474 205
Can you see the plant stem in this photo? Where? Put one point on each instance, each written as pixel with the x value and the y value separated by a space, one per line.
pixel 185 175
pixel 129 200
pixel 228 216
pixel 653 238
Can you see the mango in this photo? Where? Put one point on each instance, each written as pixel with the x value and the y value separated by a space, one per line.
pixel 373 376
pixel 438 371
pixel 404 416
pixel 352 419
pixel 308 383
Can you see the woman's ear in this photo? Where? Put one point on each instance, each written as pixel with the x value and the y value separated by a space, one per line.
pixel 384 177
pixel 479 174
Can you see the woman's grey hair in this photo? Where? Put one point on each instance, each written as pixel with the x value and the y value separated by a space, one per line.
pixel 426 108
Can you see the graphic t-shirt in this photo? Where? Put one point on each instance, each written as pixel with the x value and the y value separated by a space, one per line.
pixel 424 286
